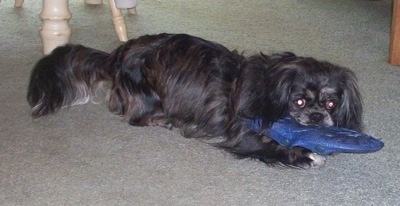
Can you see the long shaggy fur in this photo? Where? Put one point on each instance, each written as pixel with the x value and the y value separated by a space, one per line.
pixel 66 77
pixel 206 90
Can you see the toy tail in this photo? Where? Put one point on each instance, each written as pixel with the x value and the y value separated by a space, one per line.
pixel 70 75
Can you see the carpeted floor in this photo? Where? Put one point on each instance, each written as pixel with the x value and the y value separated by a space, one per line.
pixel 87 156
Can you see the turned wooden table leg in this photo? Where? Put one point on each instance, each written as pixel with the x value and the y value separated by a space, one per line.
pixel 55 29
pixel 394 54
pixel 119 22
pixel 127 4
pixel 132 10
pixel 18 3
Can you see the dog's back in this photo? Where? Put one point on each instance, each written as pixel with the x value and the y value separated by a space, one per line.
pixel 179 79
pixel 156 80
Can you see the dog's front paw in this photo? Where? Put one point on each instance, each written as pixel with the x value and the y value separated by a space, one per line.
pixel 318 161
pixel 305 159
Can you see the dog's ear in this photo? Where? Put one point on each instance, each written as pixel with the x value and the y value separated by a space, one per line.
pixel 265 90
pixel 349 112
pixel 282 82
pixel 279 81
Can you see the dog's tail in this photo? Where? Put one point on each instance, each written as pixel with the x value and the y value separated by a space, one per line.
pixel 70 75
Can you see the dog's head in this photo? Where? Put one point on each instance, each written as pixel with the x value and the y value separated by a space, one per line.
pixel 315 92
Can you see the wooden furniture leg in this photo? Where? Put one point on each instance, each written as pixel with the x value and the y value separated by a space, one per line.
pixel 55 29
pixel 18 3
pixel 132 10
pixel 119 22
pixel 394 53
pixel 127 4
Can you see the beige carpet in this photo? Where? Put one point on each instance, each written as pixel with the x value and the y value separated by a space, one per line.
pixel 87 156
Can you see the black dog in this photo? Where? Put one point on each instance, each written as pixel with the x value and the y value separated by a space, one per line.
pixel 177 80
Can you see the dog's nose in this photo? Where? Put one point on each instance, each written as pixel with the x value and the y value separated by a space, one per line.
pixel 316 117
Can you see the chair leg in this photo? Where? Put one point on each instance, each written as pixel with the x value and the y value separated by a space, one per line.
pixel 127 4
pixel 55 29
pixel 119 22
pixel 18 3
pixel 394 52
pixel 132 10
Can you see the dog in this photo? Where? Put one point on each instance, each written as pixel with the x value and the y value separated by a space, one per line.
pixel 206 90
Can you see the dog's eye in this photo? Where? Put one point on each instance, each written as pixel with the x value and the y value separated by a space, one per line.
pixel 300 102
pixel 330 105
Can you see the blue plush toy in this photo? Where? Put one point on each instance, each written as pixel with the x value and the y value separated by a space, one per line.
pixel 321 140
